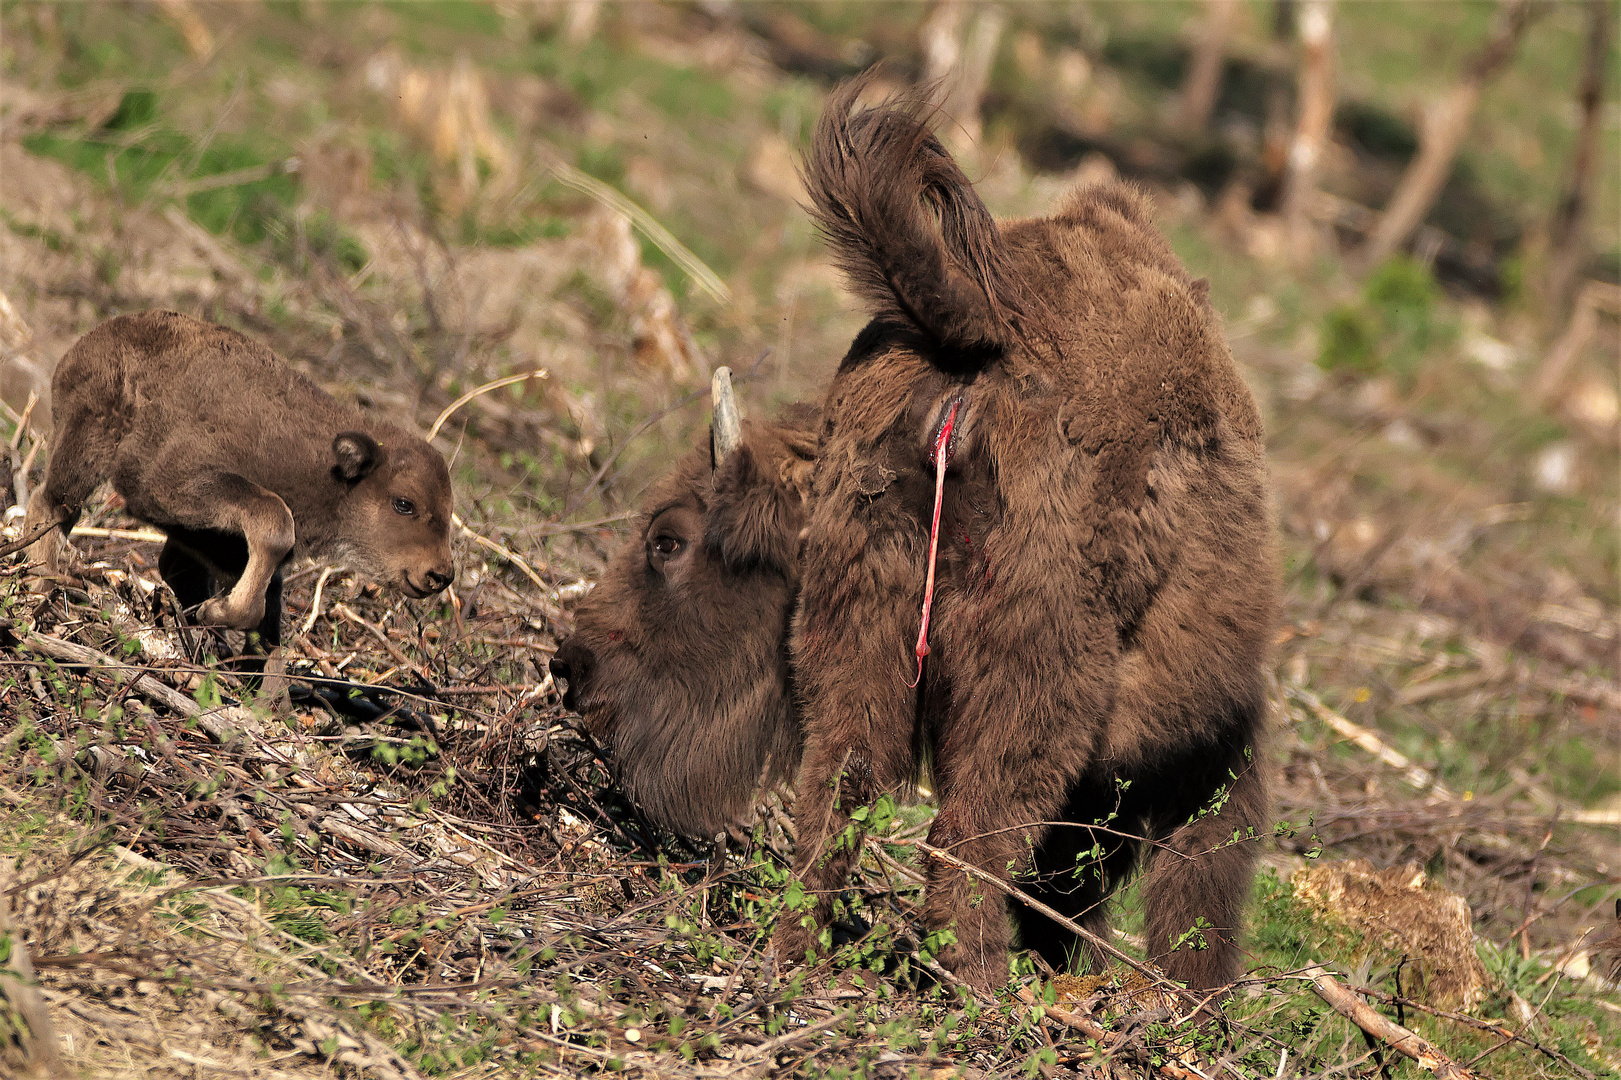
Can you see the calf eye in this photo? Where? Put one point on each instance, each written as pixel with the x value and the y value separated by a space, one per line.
pixel 667 546
pixel 404 506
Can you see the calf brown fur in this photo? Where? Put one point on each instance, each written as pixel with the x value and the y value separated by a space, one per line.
pixel 242 462
pixel 1094 692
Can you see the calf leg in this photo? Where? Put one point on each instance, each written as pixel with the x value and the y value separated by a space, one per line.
pixel 226 502
pixel 187 575
pixel 269 631
pixel 1200 872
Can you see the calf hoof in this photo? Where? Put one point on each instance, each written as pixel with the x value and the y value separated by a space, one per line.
pixel 219 612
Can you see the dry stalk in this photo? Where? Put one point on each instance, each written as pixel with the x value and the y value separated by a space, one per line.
pixel 445 414
pixel 514 559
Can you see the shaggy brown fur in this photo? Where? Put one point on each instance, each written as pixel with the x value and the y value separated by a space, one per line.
pixel 1106 580
pixel 242 462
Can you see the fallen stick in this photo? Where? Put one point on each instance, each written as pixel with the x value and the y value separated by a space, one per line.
pixel 1407 1043
pixel 22 542
pixel 1479 1025
pixel 486 542
pixel 315 601
pixel 1370 741
pixel 120 674
pixel 1417 775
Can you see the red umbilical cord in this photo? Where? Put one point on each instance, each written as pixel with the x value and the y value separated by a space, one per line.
pixel 942 454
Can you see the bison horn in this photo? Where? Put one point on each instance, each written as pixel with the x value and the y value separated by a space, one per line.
pixel 726 430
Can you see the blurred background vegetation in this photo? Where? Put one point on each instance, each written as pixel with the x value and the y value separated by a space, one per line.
pixel 1410 215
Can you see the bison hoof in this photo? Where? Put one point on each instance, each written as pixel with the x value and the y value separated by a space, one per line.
pixel 219 612
pixel 987 978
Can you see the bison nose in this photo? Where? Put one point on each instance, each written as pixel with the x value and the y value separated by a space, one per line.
pixel 439 579
pixel 571 665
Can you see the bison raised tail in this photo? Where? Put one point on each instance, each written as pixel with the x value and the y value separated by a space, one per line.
pixel 908 230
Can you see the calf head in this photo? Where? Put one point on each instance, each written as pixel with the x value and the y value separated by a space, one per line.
pixel 394 514
pixel 679 659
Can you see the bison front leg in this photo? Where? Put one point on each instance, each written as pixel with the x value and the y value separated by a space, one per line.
pixel 1027 709
pixel 983 831
pixel 859 745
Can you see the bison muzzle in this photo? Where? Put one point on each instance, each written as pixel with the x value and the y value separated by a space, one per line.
pixel 1101 555
pixel 242 462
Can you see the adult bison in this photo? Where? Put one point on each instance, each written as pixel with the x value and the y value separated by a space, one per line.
pixel 1042 432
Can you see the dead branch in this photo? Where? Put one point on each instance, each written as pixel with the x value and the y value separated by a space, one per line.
pixel 1370 741
pixel 1476 1023
pixel 1555 368
pixel 486 542
pixel 1567 241
pixel 1203 84
pixel 1312 128
pixel 1407 1043
pixel 215 722
pixel 1446 125
pixel 439 421
pixel 22 542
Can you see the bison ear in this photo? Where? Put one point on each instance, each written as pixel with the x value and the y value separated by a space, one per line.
pixel 753 520
pixel 357 453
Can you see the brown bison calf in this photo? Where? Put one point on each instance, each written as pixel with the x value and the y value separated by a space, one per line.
pixel 1042 435
pixel 242 462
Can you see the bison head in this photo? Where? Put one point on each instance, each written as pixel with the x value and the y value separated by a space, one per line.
pixel 679 660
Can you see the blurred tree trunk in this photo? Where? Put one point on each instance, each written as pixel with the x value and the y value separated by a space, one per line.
pixel 580 21
pixel 1446 125
pixel 191 26
pixel 1316 120
pixel 1567 239
pixel 1556 366
pixel 957 65
pixel 1277 130
pixel 1202 87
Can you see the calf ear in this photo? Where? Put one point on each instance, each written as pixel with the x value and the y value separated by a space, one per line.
pixel 357 453
pixel 754 515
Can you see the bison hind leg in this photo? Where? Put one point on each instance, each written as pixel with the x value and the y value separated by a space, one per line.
pixel 1198 878
pixel 1075 871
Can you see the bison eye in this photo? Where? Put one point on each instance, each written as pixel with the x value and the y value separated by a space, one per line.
pixel 404 506
pixel 667 545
